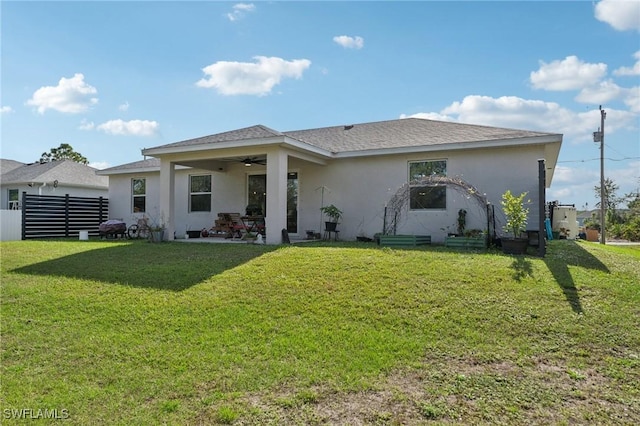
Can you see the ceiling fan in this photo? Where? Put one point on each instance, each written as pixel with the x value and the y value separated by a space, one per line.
pixel 248 161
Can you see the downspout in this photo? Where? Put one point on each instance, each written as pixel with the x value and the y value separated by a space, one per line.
pixel 40 188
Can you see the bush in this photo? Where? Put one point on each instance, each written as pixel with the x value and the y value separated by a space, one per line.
pixel 631 229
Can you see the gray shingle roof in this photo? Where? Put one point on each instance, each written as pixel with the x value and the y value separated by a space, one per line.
pixel 408 132
pixel 136 166
pixel 66 172
pixel 254 132
pixel 8 165
pixel 401 133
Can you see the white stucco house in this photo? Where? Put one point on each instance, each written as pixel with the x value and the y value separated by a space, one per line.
pixel 358 168
pixel 51 178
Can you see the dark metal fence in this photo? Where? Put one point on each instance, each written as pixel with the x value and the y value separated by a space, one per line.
pixel 47 216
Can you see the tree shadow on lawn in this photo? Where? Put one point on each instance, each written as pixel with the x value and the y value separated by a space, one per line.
pixel 564 253
pixel 166 266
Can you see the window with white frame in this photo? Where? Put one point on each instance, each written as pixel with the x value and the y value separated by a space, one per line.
pixel 427 196
pixel 139 195
pixel 200 193
pixel 14 199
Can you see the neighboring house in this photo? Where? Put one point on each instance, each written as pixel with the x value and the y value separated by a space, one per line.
pixel 358 168
pixel 52 178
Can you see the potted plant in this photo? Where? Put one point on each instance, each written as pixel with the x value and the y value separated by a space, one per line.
pixel 156 230
pixel 516 213
pixel 334 215
pixel 592 228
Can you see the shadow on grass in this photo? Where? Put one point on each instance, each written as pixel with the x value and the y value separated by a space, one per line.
pixel 167 266
pixel 564 253
pixel 522 268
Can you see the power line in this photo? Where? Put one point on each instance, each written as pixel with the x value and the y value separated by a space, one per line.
pixel 597 159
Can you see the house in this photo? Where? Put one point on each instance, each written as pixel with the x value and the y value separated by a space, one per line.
pixel 360 168
pixel 52 178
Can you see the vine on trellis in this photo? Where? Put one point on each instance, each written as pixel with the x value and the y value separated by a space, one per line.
pixel 398 205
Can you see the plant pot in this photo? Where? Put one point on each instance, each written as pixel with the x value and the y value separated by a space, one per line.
pixel 593 235
pixel 330 226
pixel 156 236
pixel 193 234
pixel 514 245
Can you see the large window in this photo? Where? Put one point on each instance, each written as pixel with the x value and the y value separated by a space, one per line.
pixel 200 193
pixel 139 193
pixel 427 196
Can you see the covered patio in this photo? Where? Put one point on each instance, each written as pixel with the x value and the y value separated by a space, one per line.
pixel 271 154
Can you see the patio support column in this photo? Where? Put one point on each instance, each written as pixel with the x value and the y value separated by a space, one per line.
pixel 167 196
pixel 276 217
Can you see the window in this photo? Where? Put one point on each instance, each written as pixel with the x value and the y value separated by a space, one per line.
pixel 200 193
pixel 139 193
pixel 257 193
pixel 427 196
pixel 14 200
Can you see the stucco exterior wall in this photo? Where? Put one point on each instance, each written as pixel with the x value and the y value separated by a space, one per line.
pixel 362 186
pixel 359 186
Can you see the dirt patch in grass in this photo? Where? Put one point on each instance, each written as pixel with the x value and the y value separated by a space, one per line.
pixel 453 391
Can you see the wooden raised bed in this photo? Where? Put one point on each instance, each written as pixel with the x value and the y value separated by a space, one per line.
pixel 404 240
pixel 466 242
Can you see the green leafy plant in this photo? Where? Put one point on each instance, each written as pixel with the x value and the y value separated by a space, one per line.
pixel 332 211
pixel 515 211
pixel 473 233
pixel 462 221
pixel 592 224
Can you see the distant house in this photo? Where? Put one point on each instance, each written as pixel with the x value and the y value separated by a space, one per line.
pixel 360 168
pixel 52 178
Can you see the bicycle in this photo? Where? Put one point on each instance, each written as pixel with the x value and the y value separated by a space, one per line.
pixel 139 229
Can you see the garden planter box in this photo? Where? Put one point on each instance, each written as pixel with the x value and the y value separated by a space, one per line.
pixel 593 235
pixel 466 242
pixel 404 240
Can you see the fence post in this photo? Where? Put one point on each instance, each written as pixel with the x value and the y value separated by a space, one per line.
pixel 66 215
pixel 24 215
pixel 100 212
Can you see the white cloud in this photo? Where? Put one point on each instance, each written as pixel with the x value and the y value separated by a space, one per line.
pixel 246 78
pixel 71 95
pixel 239 10
pixel 100 165
pixel 86 125
pixel 620 14
pixel 124 106
pixel 569 74
pixel 635 70
pixel 600 93
pixel 429 116
pixel 132 127
pixel 347 42
pixel 6 110
pixel 632 99
pixel 518 113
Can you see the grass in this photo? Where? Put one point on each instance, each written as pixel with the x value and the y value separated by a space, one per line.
pixel 136 333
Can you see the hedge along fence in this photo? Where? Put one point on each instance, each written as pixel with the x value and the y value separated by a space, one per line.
pixel 47 216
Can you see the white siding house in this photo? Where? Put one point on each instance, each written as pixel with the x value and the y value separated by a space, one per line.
pixel 358 168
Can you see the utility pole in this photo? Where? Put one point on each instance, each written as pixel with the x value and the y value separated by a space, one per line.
pixel 599 137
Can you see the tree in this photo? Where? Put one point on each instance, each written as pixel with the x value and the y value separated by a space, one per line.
pixel 611 199
pixel 63 152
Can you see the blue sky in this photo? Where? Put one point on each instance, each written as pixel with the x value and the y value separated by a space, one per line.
pixel 111 78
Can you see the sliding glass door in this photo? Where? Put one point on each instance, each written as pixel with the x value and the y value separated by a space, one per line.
pixel 257 198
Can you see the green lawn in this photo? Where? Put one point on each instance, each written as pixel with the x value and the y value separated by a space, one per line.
pixel 110 332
